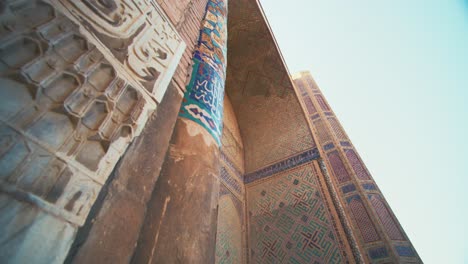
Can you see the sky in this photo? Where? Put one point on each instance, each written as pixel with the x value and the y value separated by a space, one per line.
pixel 396 75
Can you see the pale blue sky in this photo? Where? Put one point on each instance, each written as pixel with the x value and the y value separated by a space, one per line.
pixel 396 74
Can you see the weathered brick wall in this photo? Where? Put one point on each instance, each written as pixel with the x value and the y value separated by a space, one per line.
pixel 105 232
pixel 187 16
pixel 79 83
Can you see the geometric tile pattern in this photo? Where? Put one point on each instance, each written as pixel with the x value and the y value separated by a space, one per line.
pixel 289 221
pixel 322 102
pixel 386 218
pixel 322 131
pixel 309 105
pixel 229 229
pixel 361 217
pixel 357 165
pixel 337 128
pixel 338 167
pixel 273 133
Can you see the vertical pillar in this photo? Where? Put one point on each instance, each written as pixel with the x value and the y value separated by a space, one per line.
pixel 180 226
pixel 379 235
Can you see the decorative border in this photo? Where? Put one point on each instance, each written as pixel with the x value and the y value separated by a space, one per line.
pixel 283 165
pixel 232 166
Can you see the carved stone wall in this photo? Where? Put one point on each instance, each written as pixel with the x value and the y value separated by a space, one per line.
pixel 78 81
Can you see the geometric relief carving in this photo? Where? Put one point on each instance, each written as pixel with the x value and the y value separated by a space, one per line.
pixel 357 165
pixel 362 219
pixel 66 112
pixel 289 221
pixel 137 34
pixel 387 220
pixel 338 167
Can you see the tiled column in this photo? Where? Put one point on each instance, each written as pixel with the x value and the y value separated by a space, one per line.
pixel 182 214
pixel 379 235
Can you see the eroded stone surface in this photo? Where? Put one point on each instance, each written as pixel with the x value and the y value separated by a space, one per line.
pixel 70 107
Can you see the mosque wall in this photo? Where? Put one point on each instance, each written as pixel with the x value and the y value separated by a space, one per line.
pixel 291 218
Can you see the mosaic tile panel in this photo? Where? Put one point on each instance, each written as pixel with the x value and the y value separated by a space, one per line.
pixel 362 219
pixel 369 186
pixel 289 221
pixel 328 146
pixel 230 181
pixel 387 220
pixel 288 163
pixel 378 253
pixel 338 167
pixel 203 101
pixel 345 144
pixel 321 102
pixel 405 251
pixel 337 129
pixel 229 229
pixel 357 165
pixel 348 188
pixel 309 105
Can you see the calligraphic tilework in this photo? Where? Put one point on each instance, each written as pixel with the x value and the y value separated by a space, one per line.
pixel 289 221
pixel 203 101
pixel 391 227
pixel 283 165
pixel 231 181
pixel 362 220
pixel 229 229
pixel 357 165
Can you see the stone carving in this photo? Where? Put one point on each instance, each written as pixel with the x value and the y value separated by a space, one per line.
pixel 138 35
pixel 69 109
pixel 66 114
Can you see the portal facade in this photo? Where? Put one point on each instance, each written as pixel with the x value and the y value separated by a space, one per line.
pixel 172 131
